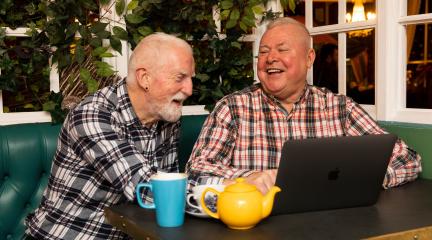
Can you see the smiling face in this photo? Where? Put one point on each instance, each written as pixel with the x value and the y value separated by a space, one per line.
pixel 170 84
pixel 160 77
pixel 283 61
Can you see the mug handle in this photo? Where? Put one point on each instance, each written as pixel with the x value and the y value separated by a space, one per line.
pixel 204 206
pixel 190 204
pixel 138 195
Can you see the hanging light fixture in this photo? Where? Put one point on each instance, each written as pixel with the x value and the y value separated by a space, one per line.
pixel 358 15
pixel 358 11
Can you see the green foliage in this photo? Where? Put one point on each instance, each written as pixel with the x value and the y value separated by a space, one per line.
pixel 70 32
pixel 64 30
pixel 53 106
pixel 223 63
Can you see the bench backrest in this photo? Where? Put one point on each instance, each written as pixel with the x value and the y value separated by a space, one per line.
pixel 26 152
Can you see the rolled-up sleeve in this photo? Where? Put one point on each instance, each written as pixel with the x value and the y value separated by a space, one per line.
pixel 211 158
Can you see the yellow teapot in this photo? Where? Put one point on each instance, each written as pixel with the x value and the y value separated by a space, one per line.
pixel 241 205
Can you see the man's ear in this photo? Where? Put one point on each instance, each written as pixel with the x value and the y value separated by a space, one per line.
pixel 310 57
pixel 142 78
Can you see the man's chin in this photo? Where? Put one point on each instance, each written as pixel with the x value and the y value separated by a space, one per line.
pixel 172 114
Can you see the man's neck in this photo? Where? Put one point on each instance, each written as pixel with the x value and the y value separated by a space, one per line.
pixel 139 105
pixel 288 102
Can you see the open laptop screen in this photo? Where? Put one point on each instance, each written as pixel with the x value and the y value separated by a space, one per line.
pixel 334 172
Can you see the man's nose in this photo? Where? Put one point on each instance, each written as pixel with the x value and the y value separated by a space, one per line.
pixel 271 57
pixel 187 87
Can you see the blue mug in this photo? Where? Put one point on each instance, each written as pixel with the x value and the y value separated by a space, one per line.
pixel 169 197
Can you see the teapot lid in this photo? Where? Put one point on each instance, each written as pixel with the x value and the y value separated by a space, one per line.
pixel 240 186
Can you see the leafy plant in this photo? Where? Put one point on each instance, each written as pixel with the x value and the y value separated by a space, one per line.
pixel 75 36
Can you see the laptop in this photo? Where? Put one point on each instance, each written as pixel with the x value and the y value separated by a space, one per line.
pixel 330 173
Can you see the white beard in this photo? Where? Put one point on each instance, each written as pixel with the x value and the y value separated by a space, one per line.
pixel 171 112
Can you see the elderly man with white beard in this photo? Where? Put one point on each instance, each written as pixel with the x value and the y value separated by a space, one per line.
pixel 114 139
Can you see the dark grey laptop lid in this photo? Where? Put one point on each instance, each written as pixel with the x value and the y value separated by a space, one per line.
pixel 328 173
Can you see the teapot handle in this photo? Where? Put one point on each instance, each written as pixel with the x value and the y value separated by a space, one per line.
pixel 204 206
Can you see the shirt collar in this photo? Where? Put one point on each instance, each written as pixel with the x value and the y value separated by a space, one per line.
pixel 125 105
pixel 272 99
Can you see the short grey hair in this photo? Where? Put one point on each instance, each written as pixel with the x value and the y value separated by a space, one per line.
pixel 290 21
pixel 150 49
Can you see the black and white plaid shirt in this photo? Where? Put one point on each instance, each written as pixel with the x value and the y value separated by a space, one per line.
pixel 103 152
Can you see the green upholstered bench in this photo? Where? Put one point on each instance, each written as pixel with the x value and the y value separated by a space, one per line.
pixel 26 152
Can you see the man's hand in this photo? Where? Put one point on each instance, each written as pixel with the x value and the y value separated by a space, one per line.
pixel 262 180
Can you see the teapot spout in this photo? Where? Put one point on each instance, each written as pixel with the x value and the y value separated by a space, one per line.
pixel 268 200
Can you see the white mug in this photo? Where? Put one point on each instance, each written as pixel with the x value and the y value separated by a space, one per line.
pixel 210 198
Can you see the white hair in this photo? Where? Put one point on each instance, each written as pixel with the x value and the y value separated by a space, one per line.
pixel 151 49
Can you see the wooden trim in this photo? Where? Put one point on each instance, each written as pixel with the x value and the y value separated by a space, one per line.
pixel 418 233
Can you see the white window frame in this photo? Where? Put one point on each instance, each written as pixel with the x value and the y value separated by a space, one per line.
pixel 28 117
pixel 119 63
pixel 391 63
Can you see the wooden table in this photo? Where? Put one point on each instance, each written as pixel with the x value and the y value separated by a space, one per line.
pixel 398 209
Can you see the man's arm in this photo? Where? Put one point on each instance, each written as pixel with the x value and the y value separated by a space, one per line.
pixel 95 140
pixel 211 158
pixel 405 163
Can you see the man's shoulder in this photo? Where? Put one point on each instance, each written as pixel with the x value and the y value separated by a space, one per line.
pixel 108 98
pixel 247 92
pixel 103 104
pixel 330 99
pixel 239 102
pixel 322 92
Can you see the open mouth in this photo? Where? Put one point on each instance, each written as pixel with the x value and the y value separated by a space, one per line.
pixel 271 71
pixel 178 102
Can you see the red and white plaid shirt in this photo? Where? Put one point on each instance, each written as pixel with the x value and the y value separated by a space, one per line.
pixel 246 131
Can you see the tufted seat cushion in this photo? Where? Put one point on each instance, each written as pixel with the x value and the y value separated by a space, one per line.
pixel 26 152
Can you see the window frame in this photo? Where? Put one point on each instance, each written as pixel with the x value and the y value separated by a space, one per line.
pixel 391 64
pixel 119 62
pixel 28 117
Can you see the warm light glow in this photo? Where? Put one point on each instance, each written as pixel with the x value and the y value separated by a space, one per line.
pixel 370 16
pixel 358 11
pixel 359 15
pixel 348 17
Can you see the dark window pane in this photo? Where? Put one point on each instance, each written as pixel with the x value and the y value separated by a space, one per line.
pixel 325 68
pixel 416 42
pixel 299 12
pixel 419 66
pixel 24 76
pixel 361 66
pixel 429 42
pixel 325 12
pixel 415 7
